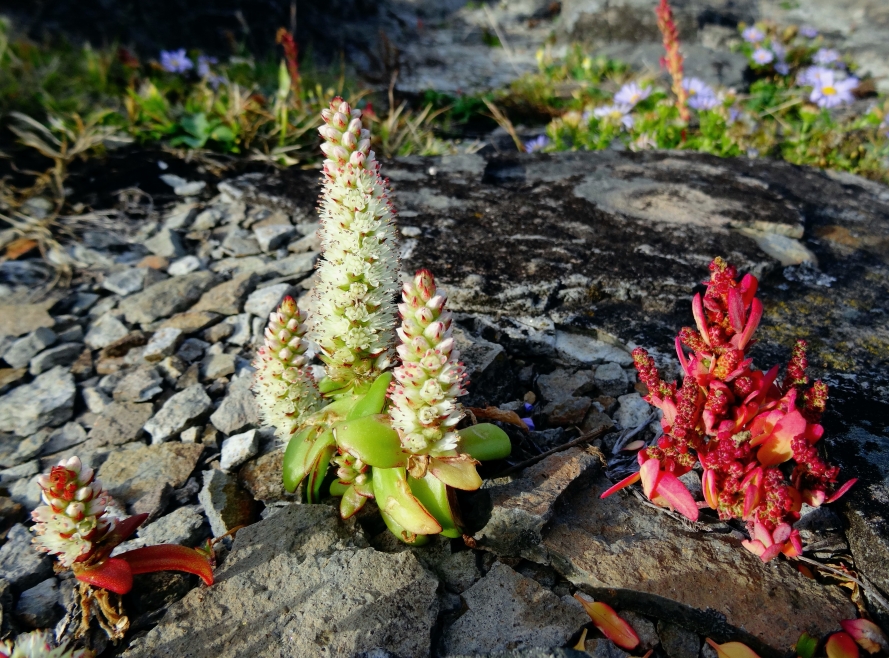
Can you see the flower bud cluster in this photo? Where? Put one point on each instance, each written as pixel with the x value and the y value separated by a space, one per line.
pixel 37 645
pixel 357 275
pixel 284 386
pixel 75 517
pixel 424 394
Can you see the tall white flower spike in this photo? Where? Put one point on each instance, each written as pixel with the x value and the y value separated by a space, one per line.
pixel 430 378
pixel 37 645
pixel 357 277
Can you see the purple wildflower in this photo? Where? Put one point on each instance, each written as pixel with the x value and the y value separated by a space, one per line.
pixel 811 76
pixel 204 64
pixel 529 422
pixel 826 57
pixel 618 114
pixel 537 144
pixel 753 35
pixel 782 68
pixel 763 56
pixel 631 94
pixel 829 92
pixel 808 32
pixel 700 95
pixel 175 61
pixel 733 115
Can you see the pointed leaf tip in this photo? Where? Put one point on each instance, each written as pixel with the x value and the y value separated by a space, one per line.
pixel 841 645
pixel 610 623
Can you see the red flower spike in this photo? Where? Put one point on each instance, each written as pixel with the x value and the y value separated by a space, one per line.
pixel 610 623
pixel 168 557
pixel 113 574
pixel 841 645
pixel 867 634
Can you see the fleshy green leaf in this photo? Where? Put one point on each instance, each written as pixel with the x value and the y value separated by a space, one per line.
pixel 458 472
pixel 394 497
pixel 806 645
pixel 338 488
pixel 484 442
pixel 410 538
pixel 295 457
pixel 351 502
pixel 372 440
pixel 433 495
pixel 317 461
pixel 374 400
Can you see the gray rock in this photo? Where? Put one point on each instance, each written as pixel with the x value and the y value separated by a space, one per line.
pixel 265 300
pixel 567 413
pixel 583 349
pixel 290 266
pixel 208 218
pixel 241 328
pixel 66 436
pixel 226 504
pixel 166 243
pixel 104 331
pixel 165 298
pixel 26 492
pixel 601 647
pixel 644 628
pixel 240 243
pixel 135 470
pixel 60 355
pixel 509 611
pixel 185 526
pixel 119 423
pixel 523 507
pixel 180 411
pixel 562 384
pixel 323 593
pixel 311 242
pixel 95 399
pixel 678 642
pixel 155 502
pixel 40 606
pixel 238 410
pixel 20 319
pixel 192 349
pixel 24 349
pixel 185 265
pixel 71 334
pixel 140 385
pixel 130 280
pixel 228 298
pixel 633 411
pixel 237 449
pixel 26 470
pixel 271 237
pixel 486 362
pixel 611 379
pixel 46 401
pixel 20 564
pixel 218 333
pixel 215 366
pixel 162 344
pixel 180 216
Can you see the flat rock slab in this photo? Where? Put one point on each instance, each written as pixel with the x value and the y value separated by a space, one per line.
pixel 507 610
pixel 637 558
pixel 136 469
pixel 301 583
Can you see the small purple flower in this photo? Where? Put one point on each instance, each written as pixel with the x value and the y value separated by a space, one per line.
pixel 204 64
pixel 733 115
pixel 631 93
pixel 808 32
pixel 753 35
pixel 763 56
pixel 175 61
pixel 529 422
pixel 527 406
pixel 782 68
pixel 826 57
pixel 811 76
pixel 537 144
pixel 618 114
pixel 829 92
pixel 700 95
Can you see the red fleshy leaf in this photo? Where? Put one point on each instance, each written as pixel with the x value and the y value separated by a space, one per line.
pixel 671 489
pixel 610 623
pixel 113 574
pixel 650 472
pixel 867 634
pixel 623 484
pixel 841 645
pixel 124 529
pixel 736 310
pixel 843 489
pixel 169 557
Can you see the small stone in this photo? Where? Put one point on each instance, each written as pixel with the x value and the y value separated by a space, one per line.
pixel 241 331
pixel 192 350
pixel 65 437
pixel 26 470
pixel 225 503
pixel 190 188
pixel 155 502
pixel 60 355
pixel 311 242
pixel 82 367
pixel 238 411
pixel 154 262
pixel 162 344
pixel 218 333
pixel 27 493
pixel 595 420
pixel 10 376
pixel 633 411
pixel 105 331
pixel 290 266
pixel 172 368
pixel 567 413
pixel 210 438
pixel 123 345
pixel 20 564
pixel 678 642
pixel 645 629
pixel 191 435
pixel 20 319
pixel 141 385
pixel 46 401
pixel 24 349
pixel 96 399
pixel 265 300
pixel 588 350
pixel 263 478
pixel 120 423
pixel 601 647
pixel 28 448
pixel 191 377
pixel 207 219
pixel 178 413
pixel 185 526
pixel 71 334
pixel 185 265
pixel 134 470
pixel 166 243
pixel 238 449
pixel 40 606
pixel 215 366
pixel 240 243
pixel 228 298
pixel 272 237
pixel 131 280
pixel 181 215
pixel 562 384
pixel 190 321
pixel 165 298
pixel 611 379
pixel 508 611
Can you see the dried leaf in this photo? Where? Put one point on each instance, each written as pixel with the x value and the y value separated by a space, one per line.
pixel 610 623
pixel 20 247
pixel 495 413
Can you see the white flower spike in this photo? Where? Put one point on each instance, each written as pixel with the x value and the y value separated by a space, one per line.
pixel 38 645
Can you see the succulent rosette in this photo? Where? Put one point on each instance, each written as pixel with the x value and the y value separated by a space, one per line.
pixel 390 434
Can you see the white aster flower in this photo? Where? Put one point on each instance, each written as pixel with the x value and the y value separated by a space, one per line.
pixel 424 394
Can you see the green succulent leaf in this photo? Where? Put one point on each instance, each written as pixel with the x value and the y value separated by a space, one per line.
pixel 394 497
pixel 338 488
pixel 410 538
pixel 484 442
pixel 372 440
pixel 294 458
pixel 351 502
pixel 458 472
pixel 433 495
pixel 373 402
pixel 317 461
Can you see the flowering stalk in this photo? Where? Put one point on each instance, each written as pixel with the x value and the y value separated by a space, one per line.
pixel 673 60
pixel 37 645
pixel 284 386
pixel 738 422
pixel 357 275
